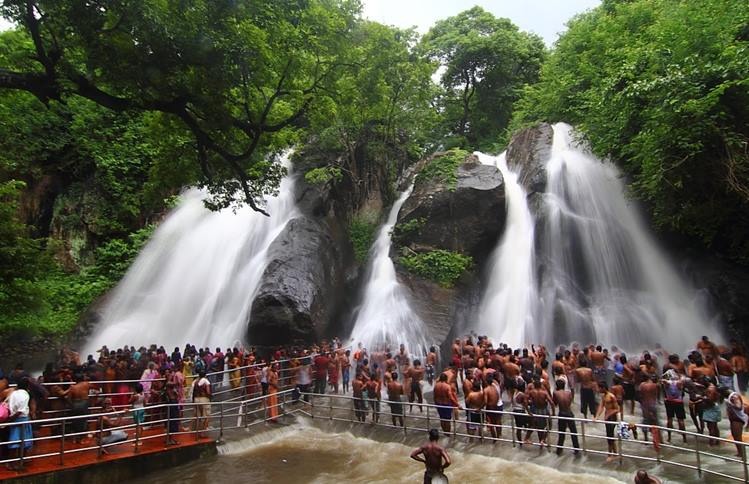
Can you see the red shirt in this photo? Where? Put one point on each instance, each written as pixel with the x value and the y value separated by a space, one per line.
pixel 321 366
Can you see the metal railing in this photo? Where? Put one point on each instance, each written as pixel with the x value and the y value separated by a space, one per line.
pixel 705 459
pixel 222 387
pixel 225 415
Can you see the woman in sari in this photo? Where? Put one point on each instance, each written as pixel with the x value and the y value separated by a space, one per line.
pixel 272 401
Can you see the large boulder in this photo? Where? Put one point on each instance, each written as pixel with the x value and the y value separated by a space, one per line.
pixel 467 217
pixel 301 285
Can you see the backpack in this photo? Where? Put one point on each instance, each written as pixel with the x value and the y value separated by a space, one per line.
pixel 199 365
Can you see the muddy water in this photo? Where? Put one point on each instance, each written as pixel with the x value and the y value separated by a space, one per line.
pixel 303 453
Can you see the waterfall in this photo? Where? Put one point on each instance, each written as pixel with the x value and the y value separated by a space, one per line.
pixel 385 317
pixel 600 275
pixel 196 278
pixel 506 311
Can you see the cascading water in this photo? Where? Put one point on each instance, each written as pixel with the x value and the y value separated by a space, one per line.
pixel 385 317
pixel 600 275
pixel 603 277
pixel 195 279
pixel 506 312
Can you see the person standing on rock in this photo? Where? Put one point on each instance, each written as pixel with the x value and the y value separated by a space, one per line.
pixel 434 457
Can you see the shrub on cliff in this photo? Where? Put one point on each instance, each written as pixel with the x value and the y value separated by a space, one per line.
pixel 442 266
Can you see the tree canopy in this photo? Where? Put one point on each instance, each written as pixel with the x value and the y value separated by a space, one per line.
pixel 237 75
pixel 662 86
pixel 486 62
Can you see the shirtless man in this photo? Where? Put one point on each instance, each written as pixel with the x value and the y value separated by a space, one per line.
pixel 618 390
pixel 452 378
pixel 446 401
pixel 674 363
pixel 431 365
pixel 404 362
pixel 741 367
pixel 374 388
pixel 707 347
pixel 474 403
pixel 628 383
pixel 494 405
pixel 344 361
pixel 584 376
pixel 78 395
pixel 648 404
pixel 562 398
pixel 540 401
pixel 416 376
pixel 435 457
pixel 360 405
pixel 395 394
pixel 598 360
pixel 610 409
pixel 511 372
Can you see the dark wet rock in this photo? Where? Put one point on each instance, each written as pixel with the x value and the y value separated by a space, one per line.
pixel 528 151
pixel 301 285
pixel 467 218
pixel 725 285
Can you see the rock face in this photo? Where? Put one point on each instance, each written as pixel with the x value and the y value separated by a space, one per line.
pixel 467 218
pixel 726 285
pixel 527 153
pixel 310 284
pixel 301 285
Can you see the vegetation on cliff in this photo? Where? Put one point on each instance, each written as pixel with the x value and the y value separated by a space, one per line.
pixel 662 87
pixel 441 266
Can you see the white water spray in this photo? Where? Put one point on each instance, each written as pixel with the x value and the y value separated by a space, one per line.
pixel 506 313
pixel 196 278
pixel 601 277
pixel 385 316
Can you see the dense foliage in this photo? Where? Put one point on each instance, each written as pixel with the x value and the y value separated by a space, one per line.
pixel 662 86
pixel 362 234
pixel 442 266
pixel 443 168
pixel 487 61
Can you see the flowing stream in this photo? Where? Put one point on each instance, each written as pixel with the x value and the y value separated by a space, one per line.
pixel 385 317
pixel 600 275
pixel 196 278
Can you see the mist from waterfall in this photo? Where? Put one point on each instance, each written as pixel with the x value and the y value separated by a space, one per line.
pixel 196 278
pixel 385 317
pixel 506 313
pixel 600 275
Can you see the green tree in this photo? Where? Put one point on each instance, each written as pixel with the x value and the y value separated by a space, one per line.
pixel 237 75
pixel 663 88
pixel 381 101
pixel 486 61
pixel 20 261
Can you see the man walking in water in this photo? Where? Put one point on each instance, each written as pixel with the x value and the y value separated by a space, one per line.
pixel 434 457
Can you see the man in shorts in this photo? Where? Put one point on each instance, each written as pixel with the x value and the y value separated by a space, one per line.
pixel 433 456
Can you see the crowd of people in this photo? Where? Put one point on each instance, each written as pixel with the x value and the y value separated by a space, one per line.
pixel 132 380
pixel 532 384
pixel 484 381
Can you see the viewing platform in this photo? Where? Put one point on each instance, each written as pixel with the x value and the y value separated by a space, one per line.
pixel 154 444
